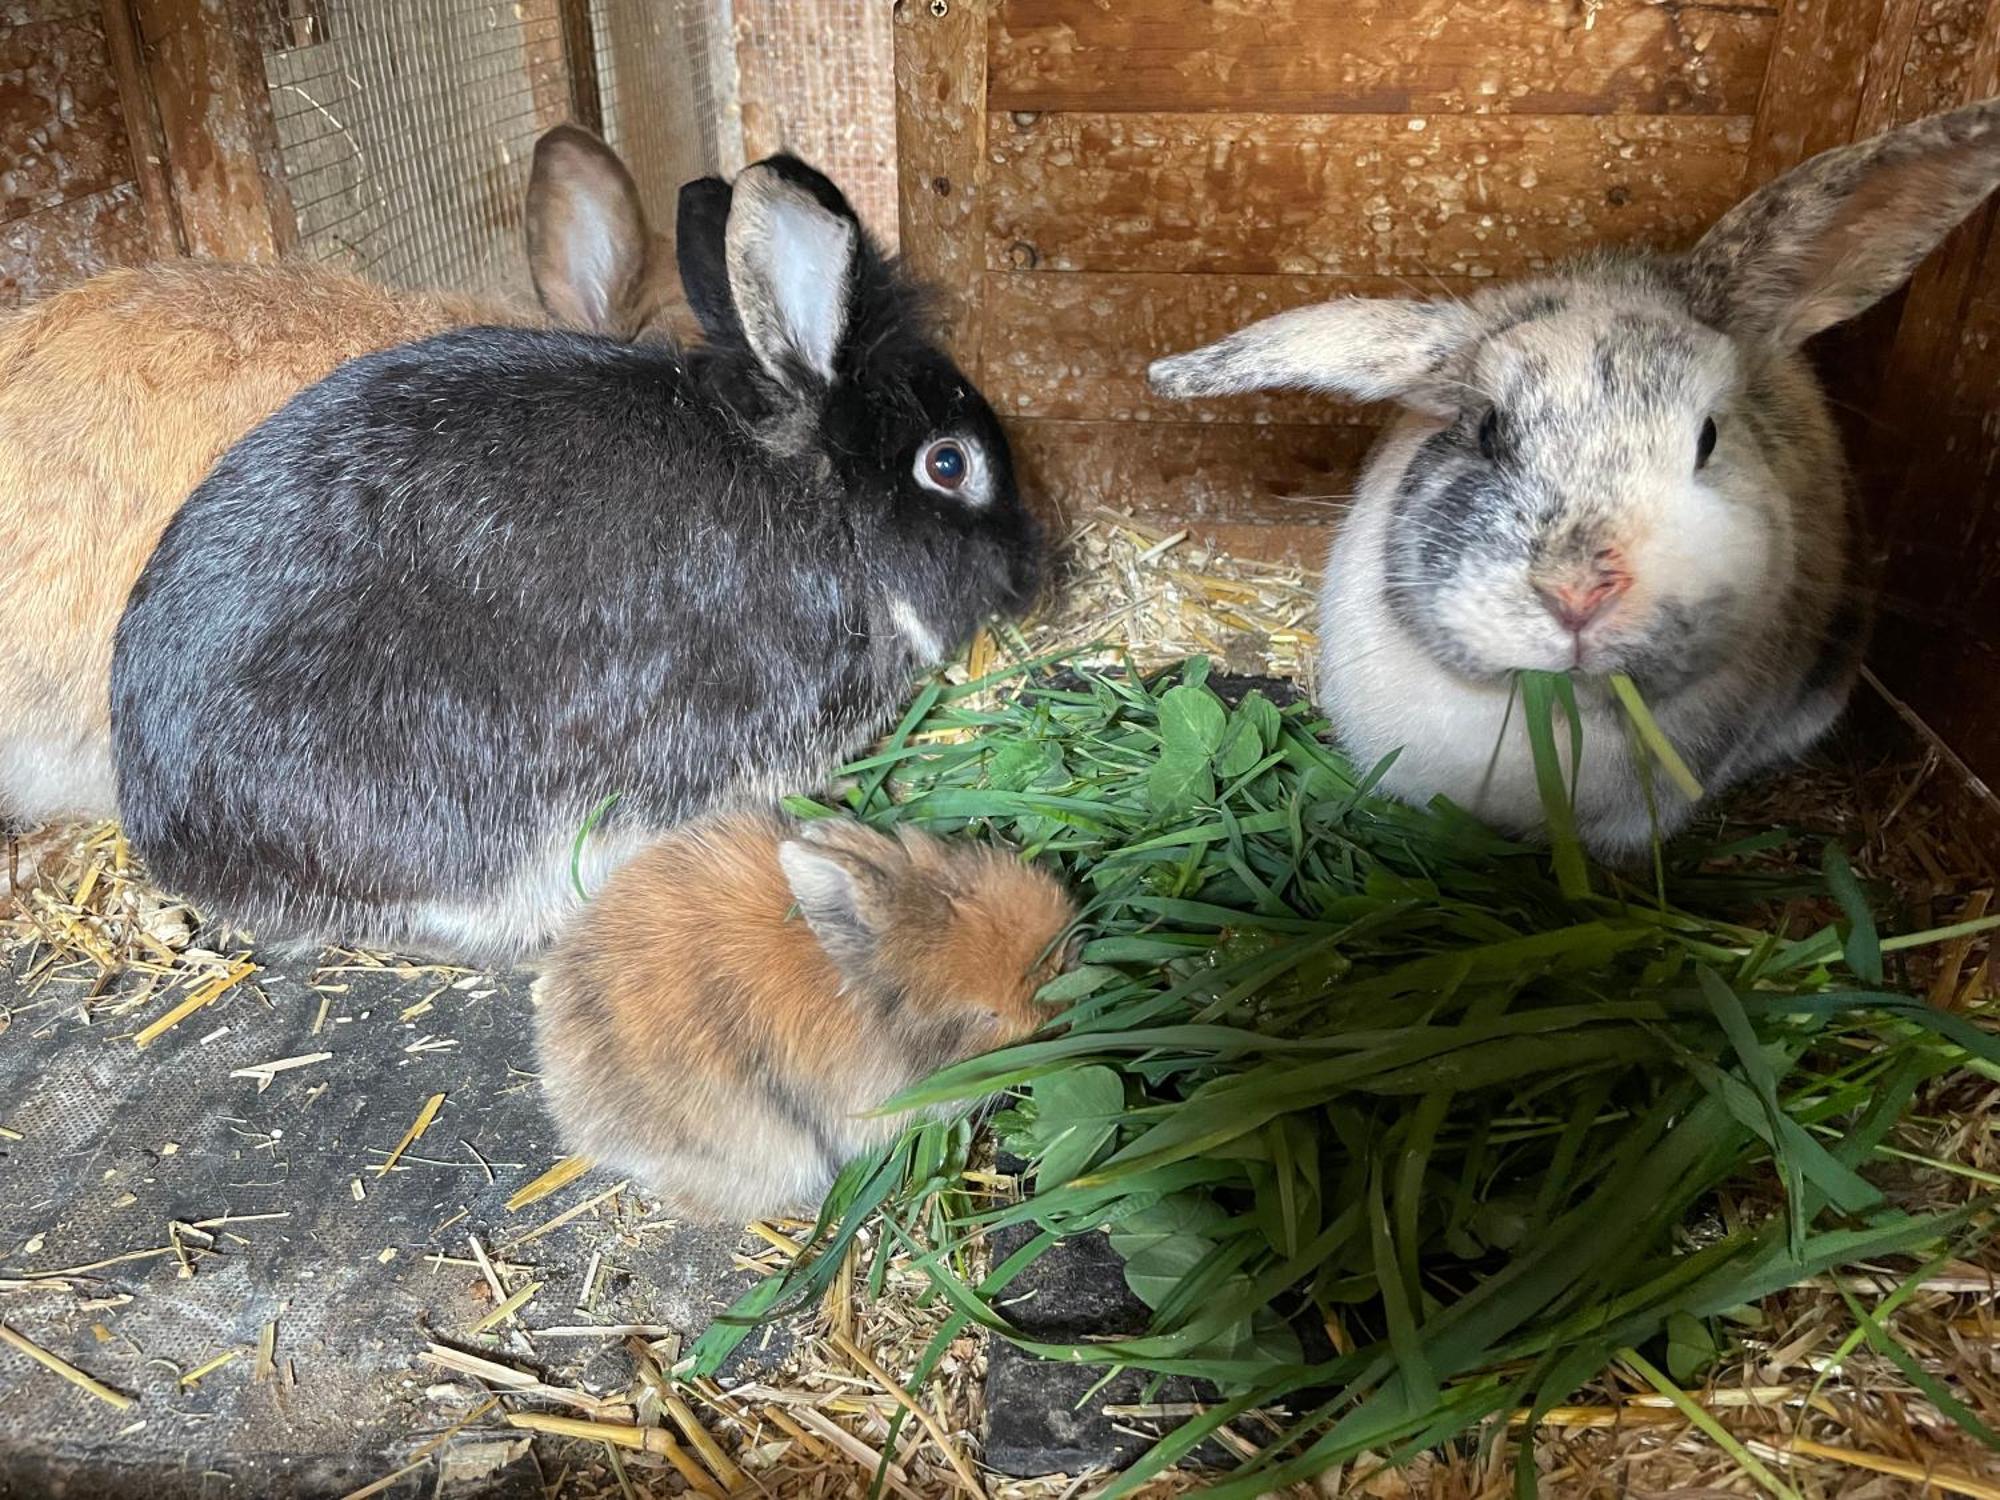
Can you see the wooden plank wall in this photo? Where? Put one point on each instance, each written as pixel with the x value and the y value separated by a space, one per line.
pixel 70 196
pixel 132 130
pixel 1097 183
pixel 1151 174
pixel 1919 379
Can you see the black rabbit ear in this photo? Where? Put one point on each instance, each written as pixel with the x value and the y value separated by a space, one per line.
pixel 699 230
pixel 791 246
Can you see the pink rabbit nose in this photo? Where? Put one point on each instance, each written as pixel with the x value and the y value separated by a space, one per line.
pixel 1576 602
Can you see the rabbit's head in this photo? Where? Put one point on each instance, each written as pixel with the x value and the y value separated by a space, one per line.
pixel 1599 469
pixel 950 940
pixel 820 344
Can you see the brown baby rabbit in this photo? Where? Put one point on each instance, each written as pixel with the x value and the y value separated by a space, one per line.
pixel 117 395
pixel 701 1036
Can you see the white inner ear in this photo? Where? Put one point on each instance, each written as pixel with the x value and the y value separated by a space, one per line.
pixel 821 885
pixel 810 253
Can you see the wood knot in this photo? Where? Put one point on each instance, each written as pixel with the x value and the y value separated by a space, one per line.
pixel 1618 196
pixel 941 186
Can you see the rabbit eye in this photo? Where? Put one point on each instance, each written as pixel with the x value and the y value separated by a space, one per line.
pixel 1489 433
pixel 945 465
pixel 1706 445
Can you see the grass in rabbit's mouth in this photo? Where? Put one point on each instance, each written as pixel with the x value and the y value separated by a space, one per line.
pixel 1402 1129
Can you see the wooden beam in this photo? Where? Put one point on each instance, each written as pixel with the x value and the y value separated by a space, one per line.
pixel 206 71
pixel 1438 195
pixel 1381 57
pixel 142 130
pixel 941 158
pixel 579 39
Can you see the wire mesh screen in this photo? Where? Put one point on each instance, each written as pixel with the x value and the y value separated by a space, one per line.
pixel 666 75
pixel 408 126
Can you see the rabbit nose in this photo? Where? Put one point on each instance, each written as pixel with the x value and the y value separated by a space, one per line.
pixel 1576 602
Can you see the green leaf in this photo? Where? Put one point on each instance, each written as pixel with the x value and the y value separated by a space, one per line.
pixel 1538 701
pixel 1690 1348
pixel 1076 1115
pixel 1863 948
pixel 1192 721
pixel 1019 764
pixel 1654 738
pixel 1155 1272
pixel 1180 782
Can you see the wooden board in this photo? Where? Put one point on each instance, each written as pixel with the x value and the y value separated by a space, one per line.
pixel 1174 472
pixel 1078 344
pixel 941 158
pixel 62 134
pixel 49 249
pixel 1348 194
pixel 1394 57
pixel 207 79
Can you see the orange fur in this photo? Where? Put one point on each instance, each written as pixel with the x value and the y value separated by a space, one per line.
pixel 696 1033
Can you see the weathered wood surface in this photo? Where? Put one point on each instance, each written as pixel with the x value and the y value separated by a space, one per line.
pixel 1819 67
pixel 51 248
pixel 1348 194
pixel 578 43
pixel 940 158
pixel 207 77
pixel 142 131
pixel 1929 456
pixel 1172 472
pixel 1077 344
pixel 62 134
pixel 1394 57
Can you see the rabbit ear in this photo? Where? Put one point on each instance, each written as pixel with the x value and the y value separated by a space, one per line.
pixel 1836 235
pixel 1368 349
pixel 790 246
pixel 840 874
pixel 587 236
pixel 699 230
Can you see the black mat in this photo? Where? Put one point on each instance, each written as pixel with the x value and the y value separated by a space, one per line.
pixel 116 1143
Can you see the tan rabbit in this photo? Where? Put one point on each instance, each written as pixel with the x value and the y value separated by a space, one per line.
pixel 701 1037
pixel 116 396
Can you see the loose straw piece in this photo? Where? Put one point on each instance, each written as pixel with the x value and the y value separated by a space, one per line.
pixel 1880 1463
pixel 852 1446
pixel 641 1439
pixel 423 1122
pixel 558 1177
pixel 64 1368
pixel 508 1308
pixel 206 993
pixel 564 1217
pixel 683 1416
pixel 195 1376
pixel 931 1425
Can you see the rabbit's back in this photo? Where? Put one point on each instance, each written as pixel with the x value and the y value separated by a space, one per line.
pixel 690 1033
pixel 410 632
pixel 116 396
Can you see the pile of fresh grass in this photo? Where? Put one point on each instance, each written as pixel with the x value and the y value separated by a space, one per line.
pixel 1398 1125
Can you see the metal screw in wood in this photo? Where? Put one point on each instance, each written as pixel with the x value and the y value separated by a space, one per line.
pixel 940 8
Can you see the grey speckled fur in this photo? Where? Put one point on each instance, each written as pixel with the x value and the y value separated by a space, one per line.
pixel 1637 432
pixel 416 627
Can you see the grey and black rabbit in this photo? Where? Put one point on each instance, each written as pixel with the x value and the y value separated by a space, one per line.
pixel 412 631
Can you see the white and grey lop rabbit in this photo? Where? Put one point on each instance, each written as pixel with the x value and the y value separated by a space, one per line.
pixel 1624 466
